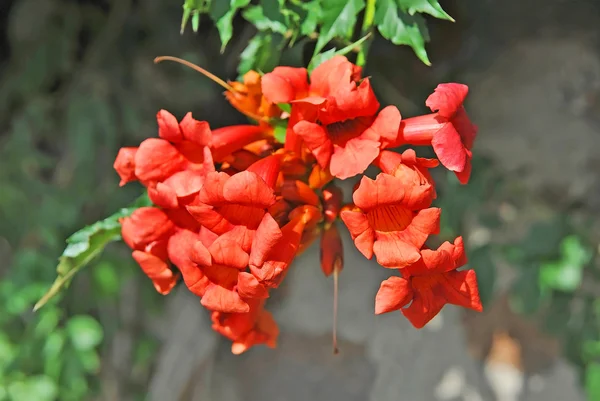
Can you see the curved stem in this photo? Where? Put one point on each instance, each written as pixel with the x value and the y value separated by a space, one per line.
pixel 196 68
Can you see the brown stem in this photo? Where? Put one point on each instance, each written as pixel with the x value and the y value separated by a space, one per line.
pixel 335 309
pixel 201 70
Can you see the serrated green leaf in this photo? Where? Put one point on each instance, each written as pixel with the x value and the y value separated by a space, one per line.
pixel 322 57
pixel 401 28
pixel 222 15
pixel 84 332
pixel 256 16
pixel 339 18
pixel 314 13
pixel 431 7
pixel 261 54
pixel 86 244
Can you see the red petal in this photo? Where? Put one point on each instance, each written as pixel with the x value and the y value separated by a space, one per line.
pixel 275 267
pixel 394 293
pixel 320 77
pixel 268 169
pixel 221 299
pixel 349 102
pixel 212 191
pixel 394 253
pixel 296 77
pixel 449 148
pixel 145 225
pixel 210 218
pixel 125 165
pixel 447 99
pixel 180 248
pixel 424 223
pixel 276 89
pixel 384 190
pixel 200 255
pixel 249 287
pixel 466 129
pixel 316 139
pixel 156 160
pixel 195 131
pixel 460 288
pixel 185 183
pixel 353 158
pixel 248 189
pixel 228 253
pixel 267 236
pixel 386 125
pixel 424 307
pixel 168 127
pixel 227 140
pixel 157 270
pixel 298 192
pixel 360 230
pixel 162 195
pixel 463 176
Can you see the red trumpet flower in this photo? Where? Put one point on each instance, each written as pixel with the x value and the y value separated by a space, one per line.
pixel 449 131
pixel 430 283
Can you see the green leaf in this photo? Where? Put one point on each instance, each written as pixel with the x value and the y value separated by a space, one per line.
pixel 280 131
pixel 266 17
pixel 401 28
pixel 339 18
pixel 322 57
pixel 431 7
pixel 566 273
pixel 85 245
pixel 574 251
pixel 261 54
pixel 560 275
pixel 285 107
pixel 85 332
pixel 106 279
pixel 314 13
pixel 592 381
pixel 481 261
pixel 38 388
pixel 222 15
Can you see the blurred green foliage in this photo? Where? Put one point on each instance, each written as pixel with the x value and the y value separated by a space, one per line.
pixel 555 266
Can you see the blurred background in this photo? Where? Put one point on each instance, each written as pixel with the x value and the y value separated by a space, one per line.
pixel 77 82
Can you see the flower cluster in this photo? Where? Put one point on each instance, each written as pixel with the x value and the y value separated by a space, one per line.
pixel 234 206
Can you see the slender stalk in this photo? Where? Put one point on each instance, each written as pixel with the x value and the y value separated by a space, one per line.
pixel 201 70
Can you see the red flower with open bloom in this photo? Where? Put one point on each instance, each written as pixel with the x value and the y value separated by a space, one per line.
pixel 180 146
pixel 431 283
pixel 337 122
pixel 238 200
pixel 391 221
pixel 407 166
pixel 449 131
pixel 224 263
pixel 147 231
pixel 247 329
